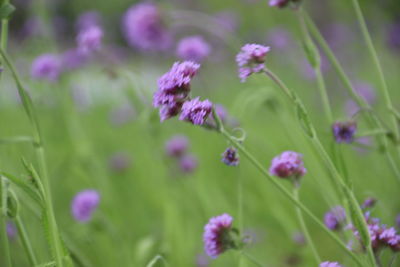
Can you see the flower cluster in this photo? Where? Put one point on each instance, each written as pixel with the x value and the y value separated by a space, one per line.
pixel 381 235
pixel 84 204
pixel 196 111
pixel 289 164
pixel 230 157
pixel 344 131
pixel 335 218
pixel 330 264
pixel 217 235
pixel 251 60
pixel 144 28
pixel 193 48
pixel 177 148
pixel 89 39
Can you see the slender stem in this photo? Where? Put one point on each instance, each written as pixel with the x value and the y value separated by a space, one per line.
pixel 25 241
pixel 374 122
pixel 375 59
pixel 5 250
pixel 55 242
pixel 289 196
pixel 303 226
pixel 252 259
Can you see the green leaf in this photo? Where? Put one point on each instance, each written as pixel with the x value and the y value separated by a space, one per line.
pixel 6 9
pixel 12 204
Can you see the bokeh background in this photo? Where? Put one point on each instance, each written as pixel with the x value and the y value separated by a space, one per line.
pixel 101 131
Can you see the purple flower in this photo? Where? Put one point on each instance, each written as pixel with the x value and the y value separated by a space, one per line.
pixel 365 91
pixel 282 3
pixel 216 235
pixel 11 230
pixel 47 67
pixel 251 59
pixel 369 203
pixel 88 19
pixel 177 146
pixel 119 161
pixel 89 39
pixel 196 111
pixel 393 36
pixel 230 157
pixel 144 28
pixel 193 48
pixel 344 131
pixel 84 204
pixel 279 38
pixel 289 164
pixel 73 59
pixel 188 163
pixel 335 218
pixel 174 88
pixel 330 264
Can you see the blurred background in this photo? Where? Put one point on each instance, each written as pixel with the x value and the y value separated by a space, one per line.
pixel 101 131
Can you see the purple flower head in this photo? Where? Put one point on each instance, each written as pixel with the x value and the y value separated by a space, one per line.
pixel 188 163
pixel 282 3
pixel 119 162
pixel 330 264
pixel 196 111
pixel 193 48
pixel 216 235
pixel 73 59
pixel 230 157
pixel 144 28
pixel 88 19
pixel 335 218
pixel 251 59
pixel 344 131
pixel 365 91
pixel 174 88
pixel 288 164
pixel 84 204
pixel 177 146
pixel 89 39
pixel 369 203
pixel 47 67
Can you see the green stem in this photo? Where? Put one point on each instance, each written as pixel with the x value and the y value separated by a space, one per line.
pixel 375 59
pixel 55 242
pixel 374 122
pixel 25 241
pixel 288 195
pixel 303 226
pixel 5 250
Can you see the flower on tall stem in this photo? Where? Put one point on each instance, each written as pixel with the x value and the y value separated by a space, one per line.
pixel 289 164
pixel 196 111
pixel 219 236
pixel 335 218
pixel 230 156
pixel 344 131
pixel 251 60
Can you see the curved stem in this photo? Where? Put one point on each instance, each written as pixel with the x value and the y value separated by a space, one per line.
pixel 375 59
pixel 25 241
pixel 289 196
pixel 303 226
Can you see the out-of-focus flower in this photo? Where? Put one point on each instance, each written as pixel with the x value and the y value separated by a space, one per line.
pixel 47 67
pixel 196 111
pixel 73 59
pixel 202 260
pixel 335 218
pixel 299 238
pixel 177 146
pixel 84 204
pixel 393 36
pixel 330 264
pixel 344 131
pixel 289 164
pixel 89 39
pixel 122 114
pixel 193 48
pixel 188 163
pixel 282 3
pixel 279 38
pixel 369 203
pixel 217 235
pixel 174 88
pixel 11 230
pixel 365 91
pixel 230 157
pixel 251 59
pixel 88 19
pixel 119 161
pixel 398 221
pixel 144 28
pixel 228 20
